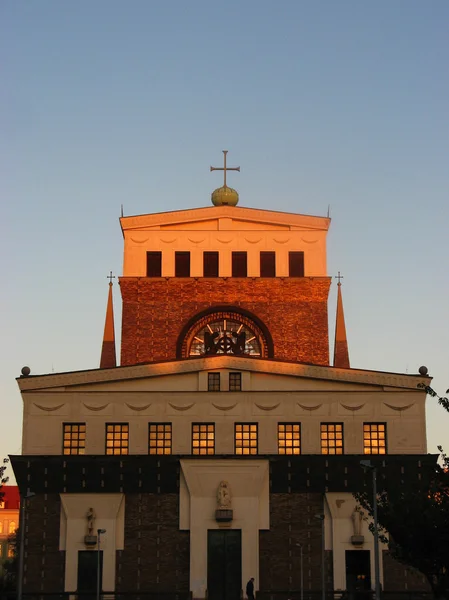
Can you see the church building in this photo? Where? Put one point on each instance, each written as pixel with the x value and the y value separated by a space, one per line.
pixel 226 444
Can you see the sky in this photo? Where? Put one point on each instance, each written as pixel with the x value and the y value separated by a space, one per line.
pixel 339 106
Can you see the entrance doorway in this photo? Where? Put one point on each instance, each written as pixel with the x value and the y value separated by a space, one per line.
pixel 358 573
pixel 88 572
pixel 224 564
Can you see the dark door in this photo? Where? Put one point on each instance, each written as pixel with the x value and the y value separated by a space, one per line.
pixel 88 571
pixel 358 573
pixel 224 564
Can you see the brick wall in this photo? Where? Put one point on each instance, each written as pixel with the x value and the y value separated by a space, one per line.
pixel 400 578
pixel 156 310
pixel 292 522
pixel 156 555
pixel 44 563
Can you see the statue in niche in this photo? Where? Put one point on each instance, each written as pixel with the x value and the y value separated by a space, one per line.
pixel 357 518
pixel 240 342
pixel 224 496
pixel 90 516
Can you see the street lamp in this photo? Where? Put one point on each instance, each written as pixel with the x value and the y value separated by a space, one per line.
pixel 323 557
pixel 366 464
pixel 99 534
pixel 23 500
pixel 301 562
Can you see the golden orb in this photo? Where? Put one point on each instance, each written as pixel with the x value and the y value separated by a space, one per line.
pixel 224 196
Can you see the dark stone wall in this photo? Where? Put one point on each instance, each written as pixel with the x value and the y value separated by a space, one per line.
pixel 292 522
pixel 400 578
pixel 156 555
pixel 44 563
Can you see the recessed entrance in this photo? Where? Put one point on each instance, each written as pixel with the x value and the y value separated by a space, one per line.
pixel 224 564
pixel 358 572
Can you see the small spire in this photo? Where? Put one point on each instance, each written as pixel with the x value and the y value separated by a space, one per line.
pixel 341 353
pixel 108 356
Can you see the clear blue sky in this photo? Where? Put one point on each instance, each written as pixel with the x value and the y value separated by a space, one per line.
pixel 321 103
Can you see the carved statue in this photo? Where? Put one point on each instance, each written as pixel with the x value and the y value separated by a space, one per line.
pixel 238 347
pixel 210 346
pixel 357 518
pixel 90 516
pixel 224 495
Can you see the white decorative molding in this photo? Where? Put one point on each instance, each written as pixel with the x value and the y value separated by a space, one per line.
pixel 309 241
pixel 353 408
pixel 272 407
pixel 96 408
pixel 139 241
pixel 49 408
pixel 169 241
pixel 309 407
pixel 186 407
pixel 196 241
pixel 143 407
pixel 224 407
pixel 399 408
pixel 224 241
pixel 281 241
pixel 253 241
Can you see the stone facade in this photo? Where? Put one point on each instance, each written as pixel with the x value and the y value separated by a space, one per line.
pixel 44 562
pixel 156 553
pixel 156 310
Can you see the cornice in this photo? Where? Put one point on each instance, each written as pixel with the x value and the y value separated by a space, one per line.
pixel 253 215
pixel 274 367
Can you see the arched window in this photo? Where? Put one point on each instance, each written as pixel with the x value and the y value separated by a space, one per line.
pixel 12 527
pixel 225 330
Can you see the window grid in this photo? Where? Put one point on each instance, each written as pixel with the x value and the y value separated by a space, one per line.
pixel 213 382
pixel 159 438
pixel 117 438
pixel 235 382
pixel 245 438
pixel 203 438
pixel 74 438
pixel 332 438
pixel 374 438
pixel 289 438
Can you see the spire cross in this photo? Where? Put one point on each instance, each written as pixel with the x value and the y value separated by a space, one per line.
pixel 110 277
pixel 225 168
pixel 339 277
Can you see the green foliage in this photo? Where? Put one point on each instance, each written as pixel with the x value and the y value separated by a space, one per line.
pixel 415 513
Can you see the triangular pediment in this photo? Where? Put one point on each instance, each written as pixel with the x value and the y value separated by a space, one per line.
pixel 224 218
pixel 180 375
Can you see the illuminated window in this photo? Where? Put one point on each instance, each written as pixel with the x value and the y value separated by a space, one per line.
pixel 10 552
pixel 12 527
pixel 374 438
pixel 74 438
pixel 235 382
pixel 203 438
pixel 331 438
pixel 1 526
pixel 246 438
pixel 289 438
pixel 213 382
pixel 117 438
pixel 160 438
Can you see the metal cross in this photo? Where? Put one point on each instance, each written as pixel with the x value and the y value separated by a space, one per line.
pixel 225 168
pixel 110 277
pixel 339 277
